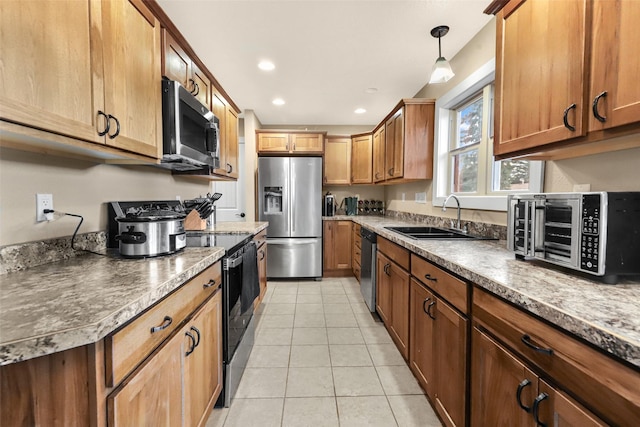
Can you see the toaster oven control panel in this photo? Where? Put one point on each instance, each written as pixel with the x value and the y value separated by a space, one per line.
pixel 590 241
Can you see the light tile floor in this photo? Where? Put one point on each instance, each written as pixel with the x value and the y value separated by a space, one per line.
pixel 321 359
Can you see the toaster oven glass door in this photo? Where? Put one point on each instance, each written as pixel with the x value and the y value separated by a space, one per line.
pixel 561 226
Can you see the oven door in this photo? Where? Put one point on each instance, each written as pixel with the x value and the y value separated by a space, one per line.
pixel 235 321
pixel 560 231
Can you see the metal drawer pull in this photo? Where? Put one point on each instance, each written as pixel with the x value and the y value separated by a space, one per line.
pixel 262 257
pixel 430 277
pixel 536 408
pixel 526 340
pixel 566 120
pixel 386 269
pixel 424 303
pixel 209 284
pixel 165 324
pixel 193 343
pixel 521 386
pixel 429 310
pixel 194 329
pixel 594 107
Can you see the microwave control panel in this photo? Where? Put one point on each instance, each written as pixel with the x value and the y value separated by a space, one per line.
pixel 590 242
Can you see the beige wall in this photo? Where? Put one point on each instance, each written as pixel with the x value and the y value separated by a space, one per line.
pixel 251 123
pixel 78 187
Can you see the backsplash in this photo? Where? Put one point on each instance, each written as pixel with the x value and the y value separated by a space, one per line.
pixel 25 255
pixel 478 228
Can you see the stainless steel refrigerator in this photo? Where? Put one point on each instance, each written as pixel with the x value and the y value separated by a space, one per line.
pixel 290 199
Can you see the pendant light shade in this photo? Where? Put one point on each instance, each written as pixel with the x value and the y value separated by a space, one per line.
pixel 441 71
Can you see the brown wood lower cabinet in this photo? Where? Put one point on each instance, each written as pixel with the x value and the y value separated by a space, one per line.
pixel 438 352
pixel 505 392
pixel 356 250
pixel 185 370
pixel 337 249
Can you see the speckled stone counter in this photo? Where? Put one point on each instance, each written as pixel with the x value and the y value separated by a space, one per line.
pixel 237 227
pixel 61 305
pixel 607 316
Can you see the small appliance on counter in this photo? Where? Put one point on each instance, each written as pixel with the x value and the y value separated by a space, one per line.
pixel 329 205
pixel 146 229
pixel 596 232
pixel 351 205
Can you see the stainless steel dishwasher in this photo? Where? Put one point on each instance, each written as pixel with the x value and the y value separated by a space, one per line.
pixel 368 267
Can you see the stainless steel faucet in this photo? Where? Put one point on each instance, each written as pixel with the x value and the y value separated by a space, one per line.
pixel 444 209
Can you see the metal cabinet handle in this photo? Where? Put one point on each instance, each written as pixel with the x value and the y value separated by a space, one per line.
pixel 386 269
pixel 325 179
pixel 424 303
pixel 526 340
pixel 197 89
pixel 106 128
pixel 165 324
pixel 117 132
pixel 429 310
pixel 294 146
pixel 536 408
pixel 390 171
pixel 209 284
pixel 521 386
pixel 430 277
pixel 594 107
pixel 229 168
pixel 263 255
pixel 377 175
pixel 193 343
pixel 193 85
pixel 565 118
pixel 194 329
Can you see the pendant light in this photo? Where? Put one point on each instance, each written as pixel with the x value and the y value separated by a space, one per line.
pixel 441 72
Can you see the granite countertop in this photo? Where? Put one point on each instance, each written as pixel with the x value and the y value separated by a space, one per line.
pixel 607 316
pixel 78 301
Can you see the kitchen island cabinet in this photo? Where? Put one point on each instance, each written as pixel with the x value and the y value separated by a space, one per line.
pixel 595 95
pixel 88 90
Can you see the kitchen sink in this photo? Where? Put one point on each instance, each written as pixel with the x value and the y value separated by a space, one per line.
pixel 431 233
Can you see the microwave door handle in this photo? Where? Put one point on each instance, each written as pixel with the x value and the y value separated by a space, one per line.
pixel 527 210
pixel 212 134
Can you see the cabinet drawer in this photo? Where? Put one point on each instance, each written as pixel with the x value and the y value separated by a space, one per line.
pixel 451 288
pixel 132 343
pixel 608 387
pixel 396 253
pixel 356 255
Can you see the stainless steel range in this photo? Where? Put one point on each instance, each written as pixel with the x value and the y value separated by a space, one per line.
pixel 239 289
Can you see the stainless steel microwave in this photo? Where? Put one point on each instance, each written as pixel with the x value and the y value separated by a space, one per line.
pixel 596 232
pixel 191 137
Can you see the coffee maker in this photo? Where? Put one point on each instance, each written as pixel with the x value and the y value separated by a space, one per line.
pixel 329 205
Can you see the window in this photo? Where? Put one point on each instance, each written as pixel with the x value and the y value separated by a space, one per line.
pixel 464 163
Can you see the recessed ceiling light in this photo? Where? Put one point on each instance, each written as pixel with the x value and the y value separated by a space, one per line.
pixel 371 90
pixel 360 111
pixel 266 65
pixel 278 101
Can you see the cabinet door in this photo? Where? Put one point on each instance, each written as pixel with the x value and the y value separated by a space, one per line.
pixel 395 169
pixel 383 288
pixel 328 261
pixel 231 145
pixel 379 140
pixel 51 66
pixel 219 109
pixel 421 348
pixel 399 325
pixel 337 161
pixel 540 73
pixel 307 143
pixel 176 65
pixel 203 366
pixel 262 270
pixel 152 395
pixel 202 90
pixel 361 160
pixel 615 64
pixel 496 378
pixel 559 410
pixel 389 147
pixel 337 245
pixel 273 142
pixel 450 367
pixel 132 76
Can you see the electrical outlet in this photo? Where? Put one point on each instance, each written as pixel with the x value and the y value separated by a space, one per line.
pixel 44 201
pixel 421 197
pixel 582 187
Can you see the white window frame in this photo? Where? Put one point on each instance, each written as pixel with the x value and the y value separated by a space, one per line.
pixel 473 84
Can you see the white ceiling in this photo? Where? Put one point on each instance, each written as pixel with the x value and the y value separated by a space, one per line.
pixel 326 52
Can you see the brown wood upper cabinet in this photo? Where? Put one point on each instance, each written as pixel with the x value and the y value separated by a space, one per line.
pixel 337 160
pixel 379 141
pixel 180 67
pixel 86 89
pixel 361 159
pixel 585 84
pixel 286 142
pixel 408 141
pixel 229 144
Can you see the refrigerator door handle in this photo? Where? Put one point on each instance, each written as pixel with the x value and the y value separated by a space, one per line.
pixel 291 242
pixel 292 199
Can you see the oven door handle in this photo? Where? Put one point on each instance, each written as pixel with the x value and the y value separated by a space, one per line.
pixel 233 262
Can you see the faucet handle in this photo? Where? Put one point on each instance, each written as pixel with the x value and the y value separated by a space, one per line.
pixel 451 224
